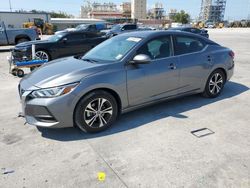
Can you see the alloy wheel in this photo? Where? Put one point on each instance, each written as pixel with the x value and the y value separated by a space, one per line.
pixel 98 113
pixel 216 83
pixel 42 55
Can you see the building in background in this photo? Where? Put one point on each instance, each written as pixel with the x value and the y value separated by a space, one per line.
pixel 138 9
pixel 100 10
pixel 16 19
pixel 172 13
pixel 212 10
pixel 157 12
pixel 125 8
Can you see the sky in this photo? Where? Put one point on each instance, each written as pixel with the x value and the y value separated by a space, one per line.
pixel 235 9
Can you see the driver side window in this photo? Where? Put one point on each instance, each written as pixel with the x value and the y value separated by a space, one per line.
pixel 157 48
pixel 75 37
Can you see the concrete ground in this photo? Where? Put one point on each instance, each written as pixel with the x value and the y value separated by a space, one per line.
pixel 151 147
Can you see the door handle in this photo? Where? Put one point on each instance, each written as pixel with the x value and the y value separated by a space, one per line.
pixel 172 66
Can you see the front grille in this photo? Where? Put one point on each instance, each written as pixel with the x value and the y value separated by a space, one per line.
pixel 18 55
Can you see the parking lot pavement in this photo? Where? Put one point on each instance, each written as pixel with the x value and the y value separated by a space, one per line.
pixel 151 147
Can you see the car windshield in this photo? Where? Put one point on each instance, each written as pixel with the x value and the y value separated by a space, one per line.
pixel 82 27
pixel 55 37
pixel 120 46
pixel 116 27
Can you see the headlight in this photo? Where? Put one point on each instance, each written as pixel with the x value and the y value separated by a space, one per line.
pixel 54 92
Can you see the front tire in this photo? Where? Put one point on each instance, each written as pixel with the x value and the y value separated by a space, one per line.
pixel 96 112
pixel 42 55
pixel 215 84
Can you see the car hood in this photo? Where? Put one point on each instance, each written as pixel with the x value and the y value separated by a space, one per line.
pixel 60 72
pixel 36 42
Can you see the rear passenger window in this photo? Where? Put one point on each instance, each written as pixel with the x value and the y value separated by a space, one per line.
pixel 129 27
pixel 184 45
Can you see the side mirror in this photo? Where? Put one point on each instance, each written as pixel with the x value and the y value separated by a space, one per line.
pixel 204 31
pixel 123 29
pixel 64 40
pixel 141 59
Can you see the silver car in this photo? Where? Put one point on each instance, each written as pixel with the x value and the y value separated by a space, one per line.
pixel 124 73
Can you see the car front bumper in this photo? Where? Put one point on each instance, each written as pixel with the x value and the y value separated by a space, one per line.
pixel 54 112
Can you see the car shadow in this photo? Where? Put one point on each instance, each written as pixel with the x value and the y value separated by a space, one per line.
pixel 134 119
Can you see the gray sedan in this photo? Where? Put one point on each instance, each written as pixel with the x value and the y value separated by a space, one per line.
pixel 124 73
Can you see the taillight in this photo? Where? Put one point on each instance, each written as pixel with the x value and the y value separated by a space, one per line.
pixel 231 53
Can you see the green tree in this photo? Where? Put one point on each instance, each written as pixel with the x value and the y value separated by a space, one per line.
pixel 60 14
pixel 181 17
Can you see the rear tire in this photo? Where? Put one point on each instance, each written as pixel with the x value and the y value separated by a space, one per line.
pixel 215 84
pixel 22 40
pixel 96 112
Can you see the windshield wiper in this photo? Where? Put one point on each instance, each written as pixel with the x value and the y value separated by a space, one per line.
pixel 89 60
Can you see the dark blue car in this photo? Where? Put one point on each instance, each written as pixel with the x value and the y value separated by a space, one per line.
pixel 201 32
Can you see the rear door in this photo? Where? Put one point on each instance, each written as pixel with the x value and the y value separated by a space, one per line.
pixel 194 62
pixel 159 78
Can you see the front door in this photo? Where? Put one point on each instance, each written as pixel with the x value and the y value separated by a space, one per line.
pixel 73 44
pixel 159 78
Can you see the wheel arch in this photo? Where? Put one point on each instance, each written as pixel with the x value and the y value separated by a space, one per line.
pixel 223 70
pixel 18 37
pixel 110 91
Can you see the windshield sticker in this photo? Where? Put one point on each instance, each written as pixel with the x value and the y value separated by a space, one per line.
pixel 119 56
pixel 134 39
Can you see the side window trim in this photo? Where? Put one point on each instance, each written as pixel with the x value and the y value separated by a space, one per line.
pixel 175 44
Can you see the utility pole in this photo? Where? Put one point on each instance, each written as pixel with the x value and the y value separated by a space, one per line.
pixel 10 5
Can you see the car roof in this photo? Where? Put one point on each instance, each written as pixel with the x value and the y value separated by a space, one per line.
pixel 180 28
pixel 77 32
pixel 154 33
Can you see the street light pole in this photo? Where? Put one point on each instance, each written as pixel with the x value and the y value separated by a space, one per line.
pixel 10 6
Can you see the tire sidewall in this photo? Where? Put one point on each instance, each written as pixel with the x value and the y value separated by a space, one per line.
pixel 44 51
pixel 79 111
pixel 207 90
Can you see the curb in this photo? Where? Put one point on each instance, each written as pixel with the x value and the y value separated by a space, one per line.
pixel 4 50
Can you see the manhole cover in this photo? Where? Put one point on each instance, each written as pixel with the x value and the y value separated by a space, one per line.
pixel 202 132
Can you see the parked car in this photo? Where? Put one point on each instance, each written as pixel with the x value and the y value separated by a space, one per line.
pixel 120 28
pixel 126 72
pixel 16 36
pixel 210 25
pixel 60 45
pixel 201 32
pixel 97 27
